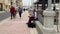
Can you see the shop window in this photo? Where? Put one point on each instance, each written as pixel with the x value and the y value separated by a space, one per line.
pixel 46 1
pixel 57 1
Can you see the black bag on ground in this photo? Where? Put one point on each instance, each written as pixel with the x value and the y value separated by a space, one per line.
pixel 31 25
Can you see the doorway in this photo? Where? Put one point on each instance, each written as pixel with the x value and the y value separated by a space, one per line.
pixel 1 7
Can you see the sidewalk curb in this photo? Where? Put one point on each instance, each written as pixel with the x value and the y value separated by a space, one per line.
pixel 1 22
pixel 33 31
pixel 40 27
pixel 2 11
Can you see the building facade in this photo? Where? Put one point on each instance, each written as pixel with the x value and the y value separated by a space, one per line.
pixel 20 3
pixel 4 5
pixel 1 5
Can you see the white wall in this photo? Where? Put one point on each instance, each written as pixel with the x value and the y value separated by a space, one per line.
pixel 27 2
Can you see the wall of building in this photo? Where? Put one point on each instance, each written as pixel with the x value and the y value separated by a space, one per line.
pixel 1 5
pixel 1 1
pixel 7 5
pixel 14 3
pixel 4 5
pixel 20 3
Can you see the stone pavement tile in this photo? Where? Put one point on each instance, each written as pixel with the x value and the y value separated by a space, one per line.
pixel 33 31
pixel 15 26
pixel 55 28
pixel 19 28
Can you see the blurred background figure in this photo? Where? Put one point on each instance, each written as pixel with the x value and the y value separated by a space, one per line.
pixel 20 11
pixel 24 9
pixel 13 12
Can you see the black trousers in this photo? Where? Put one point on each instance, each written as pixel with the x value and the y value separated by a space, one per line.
pixel 20 14
pixel 12 15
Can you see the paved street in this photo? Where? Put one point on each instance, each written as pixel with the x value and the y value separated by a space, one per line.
pixel 17 25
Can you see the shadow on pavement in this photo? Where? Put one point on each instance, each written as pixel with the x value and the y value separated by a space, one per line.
pixel 31 25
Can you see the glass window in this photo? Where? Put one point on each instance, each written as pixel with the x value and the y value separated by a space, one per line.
pixel 57 1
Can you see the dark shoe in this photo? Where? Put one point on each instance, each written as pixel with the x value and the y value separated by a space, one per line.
pixel 11 18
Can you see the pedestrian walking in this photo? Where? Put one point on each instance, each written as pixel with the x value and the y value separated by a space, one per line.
pixel 13 12
pixel 20 11
pixel 24 9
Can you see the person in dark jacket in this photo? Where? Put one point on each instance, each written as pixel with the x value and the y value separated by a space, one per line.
pixel 13 12
pixel 20 11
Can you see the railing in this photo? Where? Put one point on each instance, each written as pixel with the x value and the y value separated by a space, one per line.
pixel 40 13
pixel 56 18
pixel 40 16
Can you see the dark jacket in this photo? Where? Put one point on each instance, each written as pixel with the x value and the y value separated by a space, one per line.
pixel 12 9
pixel 20 10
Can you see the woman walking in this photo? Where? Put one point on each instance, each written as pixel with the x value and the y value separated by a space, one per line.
pixel 12 11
